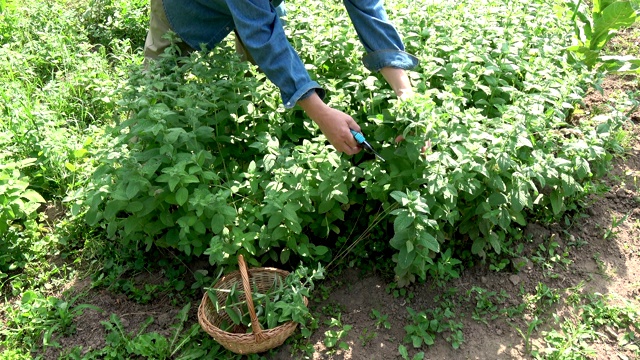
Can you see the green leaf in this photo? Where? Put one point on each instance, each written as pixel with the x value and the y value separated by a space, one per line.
pixel 321 250
pixel 228 211
pixel 33 196
pixel 617 15
pixel 556 201
pixel 627 64
pixel 214 299
pixel 416 341
pixel 303 250
pixel 478 246
pixel 518 198
pixel 400 197
pixel 497 199
pixel 272 316
pixel 402 221
pixel 182 195
pixel 234 315
pixel 173 182
pixel 582 168
pixel 427 240
pixel 275 219
pixel 79 153
pixel 409 246
pixel 217 223
pixel 326 206
pixel 289 212
pixel 405 257
pixel 495 242
pixel 112 209
pixel 403 351
pixel 284 256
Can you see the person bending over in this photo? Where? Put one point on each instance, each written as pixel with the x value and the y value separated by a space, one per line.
pixel 260 38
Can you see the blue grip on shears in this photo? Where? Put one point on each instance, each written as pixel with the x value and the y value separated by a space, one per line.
pixel 358 136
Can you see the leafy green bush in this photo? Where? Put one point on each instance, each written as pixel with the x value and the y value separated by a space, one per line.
pixel 18 213
pixel 107 21
pixel 199 166
pixel 209 164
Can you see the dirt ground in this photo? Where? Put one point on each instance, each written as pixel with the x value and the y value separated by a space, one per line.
pixel 607 266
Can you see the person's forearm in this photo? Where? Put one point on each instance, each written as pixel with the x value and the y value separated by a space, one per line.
pixel 313 106
pixel 399 81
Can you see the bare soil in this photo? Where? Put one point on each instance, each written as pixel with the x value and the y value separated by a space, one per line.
pixel 604 264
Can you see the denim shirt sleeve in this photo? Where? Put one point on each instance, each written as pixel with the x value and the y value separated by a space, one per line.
pixel 380 39
pixel 261 31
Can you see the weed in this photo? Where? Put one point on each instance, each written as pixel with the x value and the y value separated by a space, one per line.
pixel 420 330
pixel 595 314
pixel 532 325
pixel 601 265
pixel 333 338
pixel 367 336
pixel 405 353
pixel 381 319
pixel 542 299
pixel 39 317
pixel 397 292
pixel 612 231
pixel 183 342
pixel 551 255
pixel 486 303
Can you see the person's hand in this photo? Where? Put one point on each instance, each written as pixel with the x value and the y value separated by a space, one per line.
pixel 334 124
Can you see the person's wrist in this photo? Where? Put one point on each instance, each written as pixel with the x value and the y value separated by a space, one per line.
pixel 313 106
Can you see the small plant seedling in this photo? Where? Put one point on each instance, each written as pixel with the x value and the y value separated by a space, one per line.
pixel 405 353
pixel 381 319
pixel 613 231
pixel 397 292
pixel 367 336
pixel 333 338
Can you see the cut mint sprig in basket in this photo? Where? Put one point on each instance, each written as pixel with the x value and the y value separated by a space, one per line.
pixel 284 301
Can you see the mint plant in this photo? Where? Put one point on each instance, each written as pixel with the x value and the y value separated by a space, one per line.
pixel 18 215
pixel 203 160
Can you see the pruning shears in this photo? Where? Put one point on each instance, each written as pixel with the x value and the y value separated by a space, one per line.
pixel 362 142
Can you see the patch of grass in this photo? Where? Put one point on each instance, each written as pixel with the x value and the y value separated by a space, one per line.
pixel 425 326
pixel 549 254
pixel 626 42
pixel 487 303
pixel 32 323
pixel 595 316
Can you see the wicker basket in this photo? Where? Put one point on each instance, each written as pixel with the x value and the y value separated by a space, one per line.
pixel 243 343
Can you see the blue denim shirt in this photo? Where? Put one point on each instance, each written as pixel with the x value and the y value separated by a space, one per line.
pixel 257 22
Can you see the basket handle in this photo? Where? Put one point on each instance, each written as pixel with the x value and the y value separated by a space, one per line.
pixel 255 325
